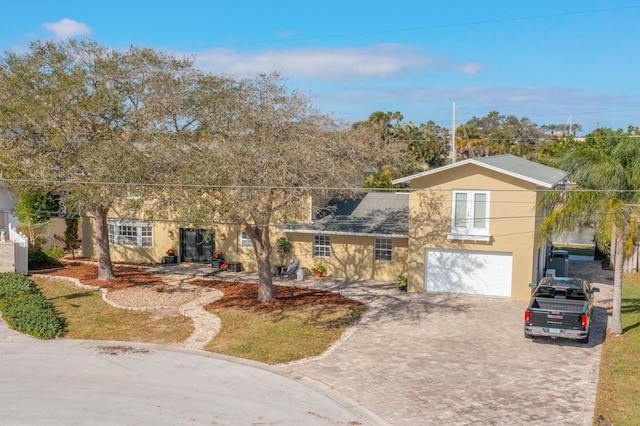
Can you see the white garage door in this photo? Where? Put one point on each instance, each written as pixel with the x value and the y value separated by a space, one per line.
pixel 468 272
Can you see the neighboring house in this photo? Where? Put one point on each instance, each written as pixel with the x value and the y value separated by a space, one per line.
pixel 364 238
pixel 13 246
pixel 472 226
pixel 7 204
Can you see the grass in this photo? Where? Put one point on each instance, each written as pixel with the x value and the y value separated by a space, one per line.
pixel 618 395
pixel 281 336
pixel 87 316
pixel 265 336
pixel 577 249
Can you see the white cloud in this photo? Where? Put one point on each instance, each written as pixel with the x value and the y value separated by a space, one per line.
pixel 476 94
pixel 67 28
pixel 377 62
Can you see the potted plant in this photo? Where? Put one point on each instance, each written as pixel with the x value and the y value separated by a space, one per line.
pixel 319 269
pixel 401 282
pixel 218 260
pixel 283 247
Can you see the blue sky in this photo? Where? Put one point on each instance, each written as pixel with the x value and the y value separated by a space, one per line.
pixel 554 62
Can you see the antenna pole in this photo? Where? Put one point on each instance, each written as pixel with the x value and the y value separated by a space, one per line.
pixel 453 134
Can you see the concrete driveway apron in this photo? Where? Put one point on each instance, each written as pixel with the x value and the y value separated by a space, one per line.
pixel 457 360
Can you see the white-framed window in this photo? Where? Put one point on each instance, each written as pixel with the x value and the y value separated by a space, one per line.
pixel 245 242
pixel 383 249
pixel 321 246
pixel 470 213
pixel 132 234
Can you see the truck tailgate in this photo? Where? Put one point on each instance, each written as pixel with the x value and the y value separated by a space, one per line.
pixel 569 320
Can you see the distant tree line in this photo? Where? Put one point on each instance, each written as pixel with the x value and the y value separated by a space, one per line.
pixel 428 145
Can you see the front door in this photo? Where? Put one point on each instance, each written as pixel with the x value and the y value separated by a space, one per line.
pixel 196 245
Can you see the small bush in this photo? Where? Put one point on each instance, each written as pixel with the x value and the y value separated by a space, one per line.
pixel 39 258
pixel 54 253
pixel 13 285
pixel 26 310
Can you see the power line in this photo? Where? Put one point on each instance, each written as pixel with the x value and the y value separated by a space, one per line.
pixel 61 183
pixel 408 29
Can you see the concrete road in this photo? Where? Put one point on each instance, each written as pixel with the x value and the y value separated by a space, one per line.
pixel 111 383
pixel 413 359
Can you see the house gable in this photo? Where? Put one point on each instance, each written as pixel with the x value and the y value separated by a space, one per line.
pixel 506 165
pixel 481 209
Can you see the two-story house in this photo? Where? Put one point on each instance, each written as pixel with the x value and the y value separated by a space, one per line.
pixel 472 226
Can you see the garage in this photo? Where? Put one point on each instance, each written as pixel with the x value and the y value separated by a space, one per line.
pixel 468 272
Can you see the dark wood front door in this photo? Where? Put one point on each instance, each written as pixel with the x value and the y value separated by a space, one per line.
pixel 196 245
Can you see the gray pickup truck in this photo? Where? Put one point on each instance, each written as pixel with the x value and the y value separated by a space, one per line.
pixel 560 307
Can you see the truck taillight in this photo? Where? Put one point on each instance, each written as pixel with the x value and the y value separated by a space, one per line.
pixel 527 316
pixel 584 320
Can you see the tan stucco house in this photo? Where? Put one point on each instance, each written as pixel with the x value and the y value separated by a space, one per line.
pixel 468 227
pixel 472 226
pixel 363 238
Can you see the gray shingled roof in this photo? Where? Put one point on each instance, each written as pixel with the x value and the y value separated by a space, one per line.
pixel 518 167
pixel 528 170
pixel 373 214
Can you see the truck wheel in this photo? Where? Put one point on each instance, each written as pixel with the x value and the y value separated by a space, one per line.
pixel 527 335
pixel 584 340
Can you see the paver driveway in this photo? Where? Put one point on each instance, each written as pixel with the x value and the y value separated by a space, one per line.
pixel 456 360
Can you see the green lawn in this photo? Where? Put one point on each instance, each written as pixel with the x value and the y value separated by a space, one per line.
pixel 270 337
pixel 87 316
pixel 281 336
pixel 577 249
pixel 618 396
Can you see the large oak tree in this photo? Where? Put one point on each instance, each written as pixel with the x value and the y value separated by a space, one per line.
pixel 261 165
pixel 76 117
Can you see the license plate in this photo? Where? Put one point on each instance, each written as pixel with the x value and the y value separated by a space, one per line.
pixel 554 330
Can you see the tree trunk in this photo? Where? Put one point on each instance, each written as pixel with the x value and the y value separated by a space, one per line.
pixel 618 265
pixel 265 285
pixel 262 248
pixel 105 268
pixel 613 249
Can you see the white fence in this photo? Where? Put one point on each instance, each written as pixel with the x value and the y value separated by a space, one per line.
pixel 21 247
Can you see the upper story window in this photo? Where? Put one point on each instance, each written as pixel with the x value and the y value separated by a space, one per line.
pixel 245 242
pixel 470 215
pixel 383 249
pixel 321 246
pixel 132 234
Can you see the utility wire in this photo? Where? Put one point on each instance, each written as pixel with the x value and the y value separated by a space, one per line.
pixel 419 28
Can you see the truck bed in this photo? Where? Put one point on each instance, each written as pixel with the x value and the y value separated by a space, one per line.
pixel 559 305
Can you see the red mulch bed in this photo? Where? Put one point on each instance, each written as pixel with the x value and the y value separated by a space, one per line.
pixel 245 295
pixel 236 294
pixel 125 276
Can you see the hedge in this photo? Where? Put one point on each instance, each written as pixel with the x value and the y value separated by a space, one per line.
pixel 26 310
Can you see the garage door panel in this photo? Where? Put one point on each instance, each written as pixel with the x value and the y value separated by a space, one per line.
pixel 484 273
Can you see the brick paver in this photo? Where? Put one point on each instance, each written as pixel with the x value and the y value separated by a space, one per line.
pixel 458 360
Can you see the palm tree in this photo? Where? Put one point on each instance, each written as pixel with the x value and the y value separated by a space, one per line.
pixel 606 169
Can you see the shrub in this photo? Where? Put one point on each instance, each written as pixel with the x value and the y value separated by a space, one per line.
pixel 26 310
pixel 54 253
pixel 13 285
pixel 47 257
pixel 32 314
